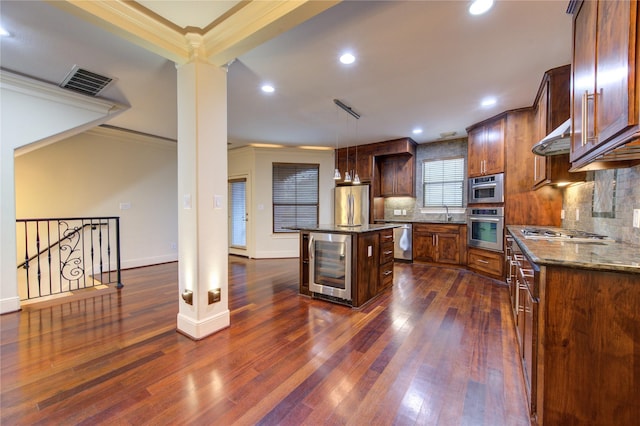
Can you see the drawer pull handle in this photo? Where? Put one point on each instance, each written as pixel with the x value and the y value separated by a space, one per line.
pixel 387 273
pixel 481 261
pixel 388 252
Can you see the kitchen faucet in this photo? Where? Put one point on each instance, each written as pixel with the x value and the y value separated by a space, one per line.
pixel 447 216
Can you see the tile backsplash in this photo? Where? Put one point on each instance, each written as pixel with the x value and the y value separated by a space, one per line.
pixel 604 204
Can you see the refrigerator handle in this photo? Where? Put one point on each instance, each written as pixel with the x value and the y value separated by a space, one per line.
pixel 310 248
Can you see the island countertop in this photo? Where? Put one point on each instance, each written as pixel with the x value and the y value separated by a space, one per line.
pixel 338 229
pixel 599 256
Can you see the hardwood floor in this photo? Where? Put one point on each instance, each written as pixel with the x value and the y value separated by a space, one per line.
pixel 438 349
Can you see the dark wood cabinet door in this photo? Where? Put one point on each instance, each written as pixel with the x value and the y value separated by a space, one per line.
pixel 494 148
pixel 367 266
pixel 448 248
pixel 364 165
pixel 424 248
pixel 475 153
pixel 542 114
pixel 584 50
pixel 615 71
pixel 404 176
pixel 387 177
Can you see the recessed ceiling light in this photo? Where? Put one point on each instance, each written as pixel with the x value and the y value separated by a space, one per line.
pixel 478 7
pixel 347 58
pixel 487 102
pixel 417 131
pixel 4 33
pixel 267 88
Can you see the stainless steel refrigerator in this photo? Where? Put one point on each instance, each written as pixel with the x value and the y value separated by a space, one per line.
pixel 351 205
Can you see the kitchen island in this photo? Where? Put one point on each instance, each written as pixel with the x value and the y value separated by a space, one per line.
pixel 367 264
pixel 575 306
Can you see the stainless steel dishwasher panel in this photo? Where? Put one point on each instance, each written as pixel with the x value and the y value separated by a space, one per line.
pixel 402 246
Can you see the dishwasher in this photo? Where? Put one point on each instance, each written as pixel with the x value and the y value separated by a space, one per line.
pixel 402 247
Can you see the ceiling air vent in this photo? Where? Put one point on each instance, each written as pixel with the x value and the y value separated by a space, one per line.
pixel 86 82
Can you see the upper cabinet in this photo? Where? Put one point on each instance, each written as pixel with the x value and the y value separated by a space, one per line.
pixel 355 159
pixel 397 175
pixel 486 148
pixel 552 108
pixel 389 166
pixel 604 98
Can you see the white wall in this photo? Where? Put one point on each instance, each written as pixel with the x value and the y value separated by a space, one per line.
pixel 91 174
pixel 34 113
pixel 257 164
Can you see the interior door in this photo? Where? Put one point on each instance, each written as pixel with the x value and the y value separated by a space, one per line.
pixel 238 216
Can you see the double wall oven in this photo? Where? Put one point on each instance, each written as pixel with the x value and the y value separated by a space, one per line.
pixel 485 213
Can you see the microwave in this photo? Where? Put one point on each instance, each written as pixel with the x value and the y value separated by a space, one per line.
pixel 486 189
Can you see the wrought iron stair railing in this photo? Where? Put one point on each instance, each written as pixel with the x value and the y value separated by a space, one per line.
pixel 66 254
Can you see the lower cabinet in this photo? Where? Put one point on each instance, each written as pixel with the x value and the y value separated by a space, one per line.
pixel 439 243
pixel 486 262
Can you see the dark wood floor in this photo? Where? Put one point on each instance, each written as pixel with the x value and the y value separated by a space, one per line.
pixel 438 349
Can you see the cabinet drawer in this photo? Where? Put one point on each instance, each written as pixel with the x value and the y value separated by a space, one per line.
pixel 486 261
pixel 435 229
pixel 386 275
pixel 386 252
pixel 386 236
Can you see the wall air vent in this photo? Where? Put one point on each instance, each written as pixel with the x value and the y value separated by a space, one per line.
pixel 86 82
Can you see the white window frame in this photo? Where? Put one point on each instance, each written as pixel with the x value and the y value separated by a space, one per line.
pixel 443 183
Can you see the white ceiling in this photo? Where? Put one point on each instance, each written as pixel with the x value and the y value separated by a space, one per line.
pixel 419 64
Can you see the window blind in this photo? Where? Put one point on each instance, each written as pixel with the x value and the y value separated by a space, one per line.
pixel 295 195
pixel 443 182
pixel 238 224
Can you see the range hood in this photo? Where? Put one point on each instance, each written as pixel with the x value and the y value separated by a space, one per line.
pixel 555 143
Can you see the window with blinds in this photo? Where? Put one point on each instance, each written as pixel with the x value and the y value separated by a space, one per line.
pixel 295 195
pixel 443 182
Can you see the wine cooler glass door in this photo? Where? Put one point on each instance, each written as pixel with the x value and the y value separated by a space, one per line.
pixel 330 258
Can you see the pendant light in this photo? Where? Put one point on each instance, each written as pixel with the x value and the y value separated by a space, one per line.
pixel 356 178
pixel 347 174
pixel 336 173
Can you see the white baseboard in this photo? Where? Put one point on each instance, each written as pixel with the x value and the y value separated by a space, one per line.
pixel 10 304
pixel 200 329
pixel 277 254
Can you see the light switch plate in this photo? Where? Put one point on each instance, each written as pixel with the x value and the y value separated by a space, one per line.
pixel 562 214
pixel 636 218
pixel 397 212
pixel 577 215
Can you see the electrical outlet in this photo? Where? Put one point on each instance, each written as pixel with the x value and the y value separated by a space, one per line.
pixel 577 215
pixel 404 212
pixel 562 214
pixel 636 218
pixel 173 246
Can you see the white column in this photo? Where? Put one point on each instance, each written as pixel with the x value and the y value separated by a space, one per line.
pixel 202 196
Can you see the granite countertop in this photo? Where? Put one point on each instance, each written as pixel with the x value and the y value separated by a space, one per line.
pixel 360 229
pixel 607 255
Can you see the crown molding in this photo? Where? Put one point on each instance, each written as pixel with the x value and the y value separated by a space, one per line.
pixel 244 27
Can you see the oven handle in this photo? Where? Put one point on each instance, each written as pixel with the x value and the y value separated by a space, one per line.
pixel 483 218
pixel 310 247
pixel 484 185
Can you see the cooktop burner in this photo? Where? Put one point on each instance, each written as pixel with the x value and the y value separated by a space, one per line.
pixel 560 234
